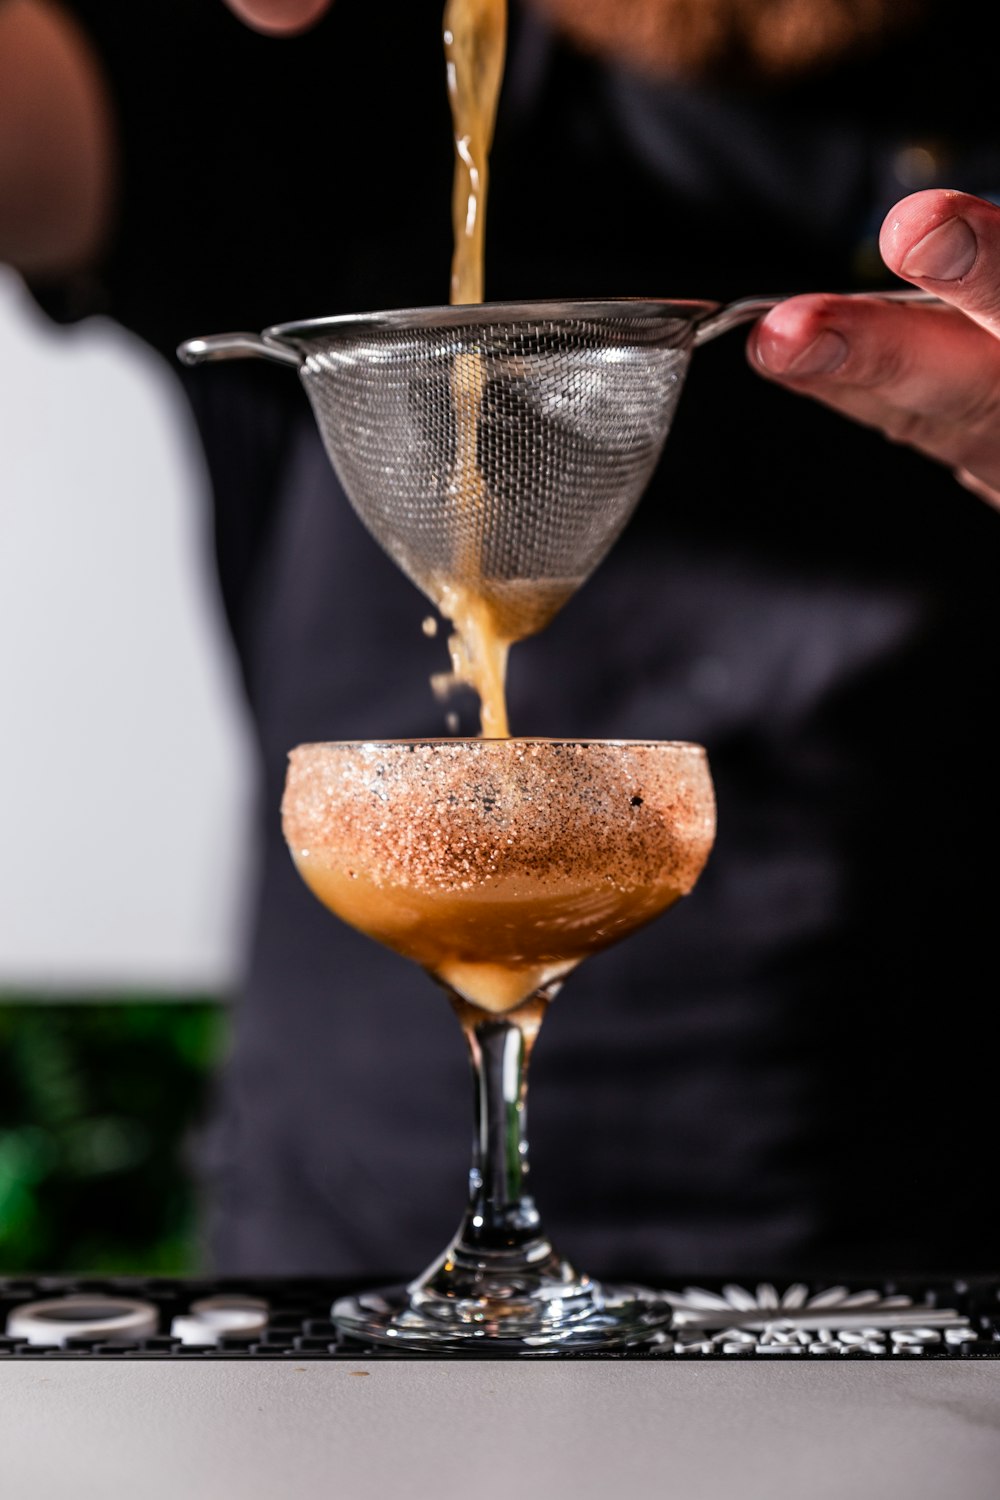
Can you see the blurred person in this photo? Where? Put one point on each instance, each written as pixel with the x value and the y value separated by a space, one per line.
pixel 785 1075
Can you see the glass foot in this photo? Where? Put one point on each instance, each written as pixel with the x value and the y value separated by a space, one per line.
pixel 474 1307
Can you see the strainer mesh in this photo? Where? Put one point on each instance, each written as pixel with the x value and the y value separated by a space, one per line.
pixel 505 457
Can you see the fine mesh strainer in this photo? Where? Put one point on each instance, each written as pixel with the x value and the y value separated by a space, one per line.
pixel 497 448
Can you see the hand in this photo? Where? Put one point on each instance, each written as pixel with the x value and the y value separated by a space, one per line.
pixel 925 375
pixel 279 17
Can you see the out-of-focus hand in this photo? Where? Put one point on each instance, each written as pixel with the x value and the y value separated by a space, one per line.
pixel 57 148
pixel 925 375
pixel 279 17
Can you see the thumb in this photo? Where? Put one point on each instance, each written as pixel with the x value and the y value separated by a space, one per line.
pixel 948 243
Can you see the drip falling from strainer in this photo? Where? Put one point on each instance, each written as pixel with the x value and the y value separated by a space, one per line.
pixel 496 449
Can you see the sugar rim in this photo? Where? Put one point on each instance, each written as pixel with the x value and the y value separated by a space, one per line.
pixel 473 741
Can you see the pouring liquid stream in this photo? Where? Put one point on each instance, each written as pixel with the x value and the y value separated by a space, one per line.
pixel 475 47
pixel 475 41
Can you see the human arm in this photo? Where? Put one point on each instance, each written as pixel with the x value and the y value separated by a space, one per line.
pixel 57 137
pixel 925 375
pixel 56 142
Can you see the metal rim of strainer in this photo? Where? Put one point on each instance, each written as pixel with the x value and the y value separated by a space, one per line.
pixel 489 314
pixel 289 342
pixel 694 322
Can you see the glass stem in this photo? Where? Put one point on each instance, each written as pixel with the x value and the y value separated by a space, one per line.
pixel 501 1215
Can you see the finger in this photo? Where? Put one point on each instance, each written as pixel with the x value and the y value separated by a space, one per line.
pixel 279 17
pixel 985 491
pixel 923 375
pixel 948 243
pixel 921 359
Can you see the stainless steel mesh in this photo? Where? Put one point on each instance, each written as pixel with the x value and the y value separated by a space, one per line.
pixel 502 456
pixel 498 449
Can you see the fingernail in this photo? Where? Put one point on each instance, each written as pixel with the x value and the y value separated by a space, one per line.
pixel 946 254
pixel 825 354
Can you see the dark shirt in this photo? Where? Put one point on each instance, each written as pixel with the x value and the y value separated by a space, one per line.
pixel 791 1071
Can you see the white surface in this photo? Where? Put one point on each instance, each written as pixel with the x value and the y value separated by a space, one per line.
pixel 493 1431
pixel 124 769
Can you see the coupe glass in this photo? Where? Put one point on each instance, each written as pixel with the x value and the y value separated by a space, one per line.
pixel 498 865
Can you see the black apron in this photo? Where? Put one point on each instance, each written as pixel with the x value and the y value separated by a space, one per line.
pixel 790 1070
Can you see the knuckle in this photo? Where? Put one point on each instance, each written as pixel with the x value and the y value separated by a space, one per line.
pixel 907 427
pixel 981 411
pixel 881 364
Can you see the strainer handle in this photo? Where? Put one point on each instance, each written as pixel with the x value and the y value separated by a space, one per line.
pixel 748 309
pixel 237 346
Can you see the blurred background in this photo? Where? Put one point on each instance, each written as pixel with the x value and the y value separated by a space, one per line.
pixel 125 854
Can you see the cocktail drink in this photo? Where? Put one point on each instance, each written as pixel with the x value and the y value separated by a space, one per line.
pixel 498 865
